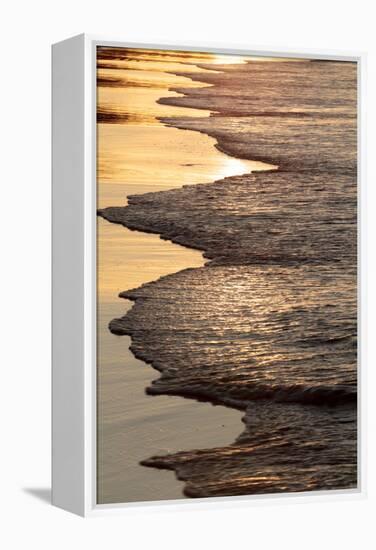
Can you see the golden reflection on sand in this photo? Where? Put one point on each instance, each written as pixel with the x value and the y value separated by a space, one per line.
pixel 121 259
pixel 140 155
pixel 236 59
pixel 137 154
pixel 161 158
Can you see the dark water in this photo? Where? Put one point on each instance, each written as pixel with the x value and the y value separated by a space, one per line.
pixel 269 324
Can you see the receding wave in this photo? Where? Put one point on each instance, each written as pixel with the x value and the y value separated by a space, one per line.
pixel 269 324
pixel 266 217
pixel 284 447
pixel 230 346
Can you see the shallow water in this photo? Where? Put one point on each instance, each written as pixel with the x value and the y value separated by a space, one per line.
pixel 132 426
pixel 270 326
pixel 137 154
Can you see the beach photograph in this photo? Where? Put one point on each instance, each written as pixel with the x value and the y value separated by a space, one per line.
pixel 226 275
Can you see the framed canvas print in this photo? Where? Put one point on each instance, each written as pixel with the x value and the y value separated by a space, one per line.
pixel 206 274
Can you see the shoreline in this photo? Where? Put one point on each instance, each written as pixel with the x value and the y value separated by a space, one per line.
pixel 167 423
pixel 164 424
pixel 169 230
pixel 268 112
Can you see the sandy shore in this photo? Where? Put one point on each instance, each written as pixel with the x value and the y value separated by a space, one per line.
pixel 270 325
pixel 132 425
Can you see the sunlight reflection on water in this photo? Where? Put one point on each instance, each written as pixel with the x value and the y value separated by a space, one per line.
pixel 136 156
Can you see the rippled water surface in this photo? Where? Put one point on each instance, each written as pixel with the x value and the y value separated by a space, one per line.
pixel 269 325
pixel 137 154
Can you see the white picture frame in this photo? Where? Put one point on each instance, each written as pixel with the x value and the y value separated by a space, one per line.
pixel 74 276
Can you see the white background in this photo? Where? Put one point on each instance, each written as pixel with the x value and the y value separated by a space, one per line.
pixel 27 30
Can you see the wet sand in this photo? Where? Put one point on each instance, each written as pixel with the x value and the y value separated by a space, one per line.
pixel 132 425
pixel 140 156
pixel 270 325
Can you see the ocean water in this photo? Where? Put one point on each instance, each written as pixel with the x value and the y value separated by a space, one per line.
pixel 137 154
pixel 269 325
